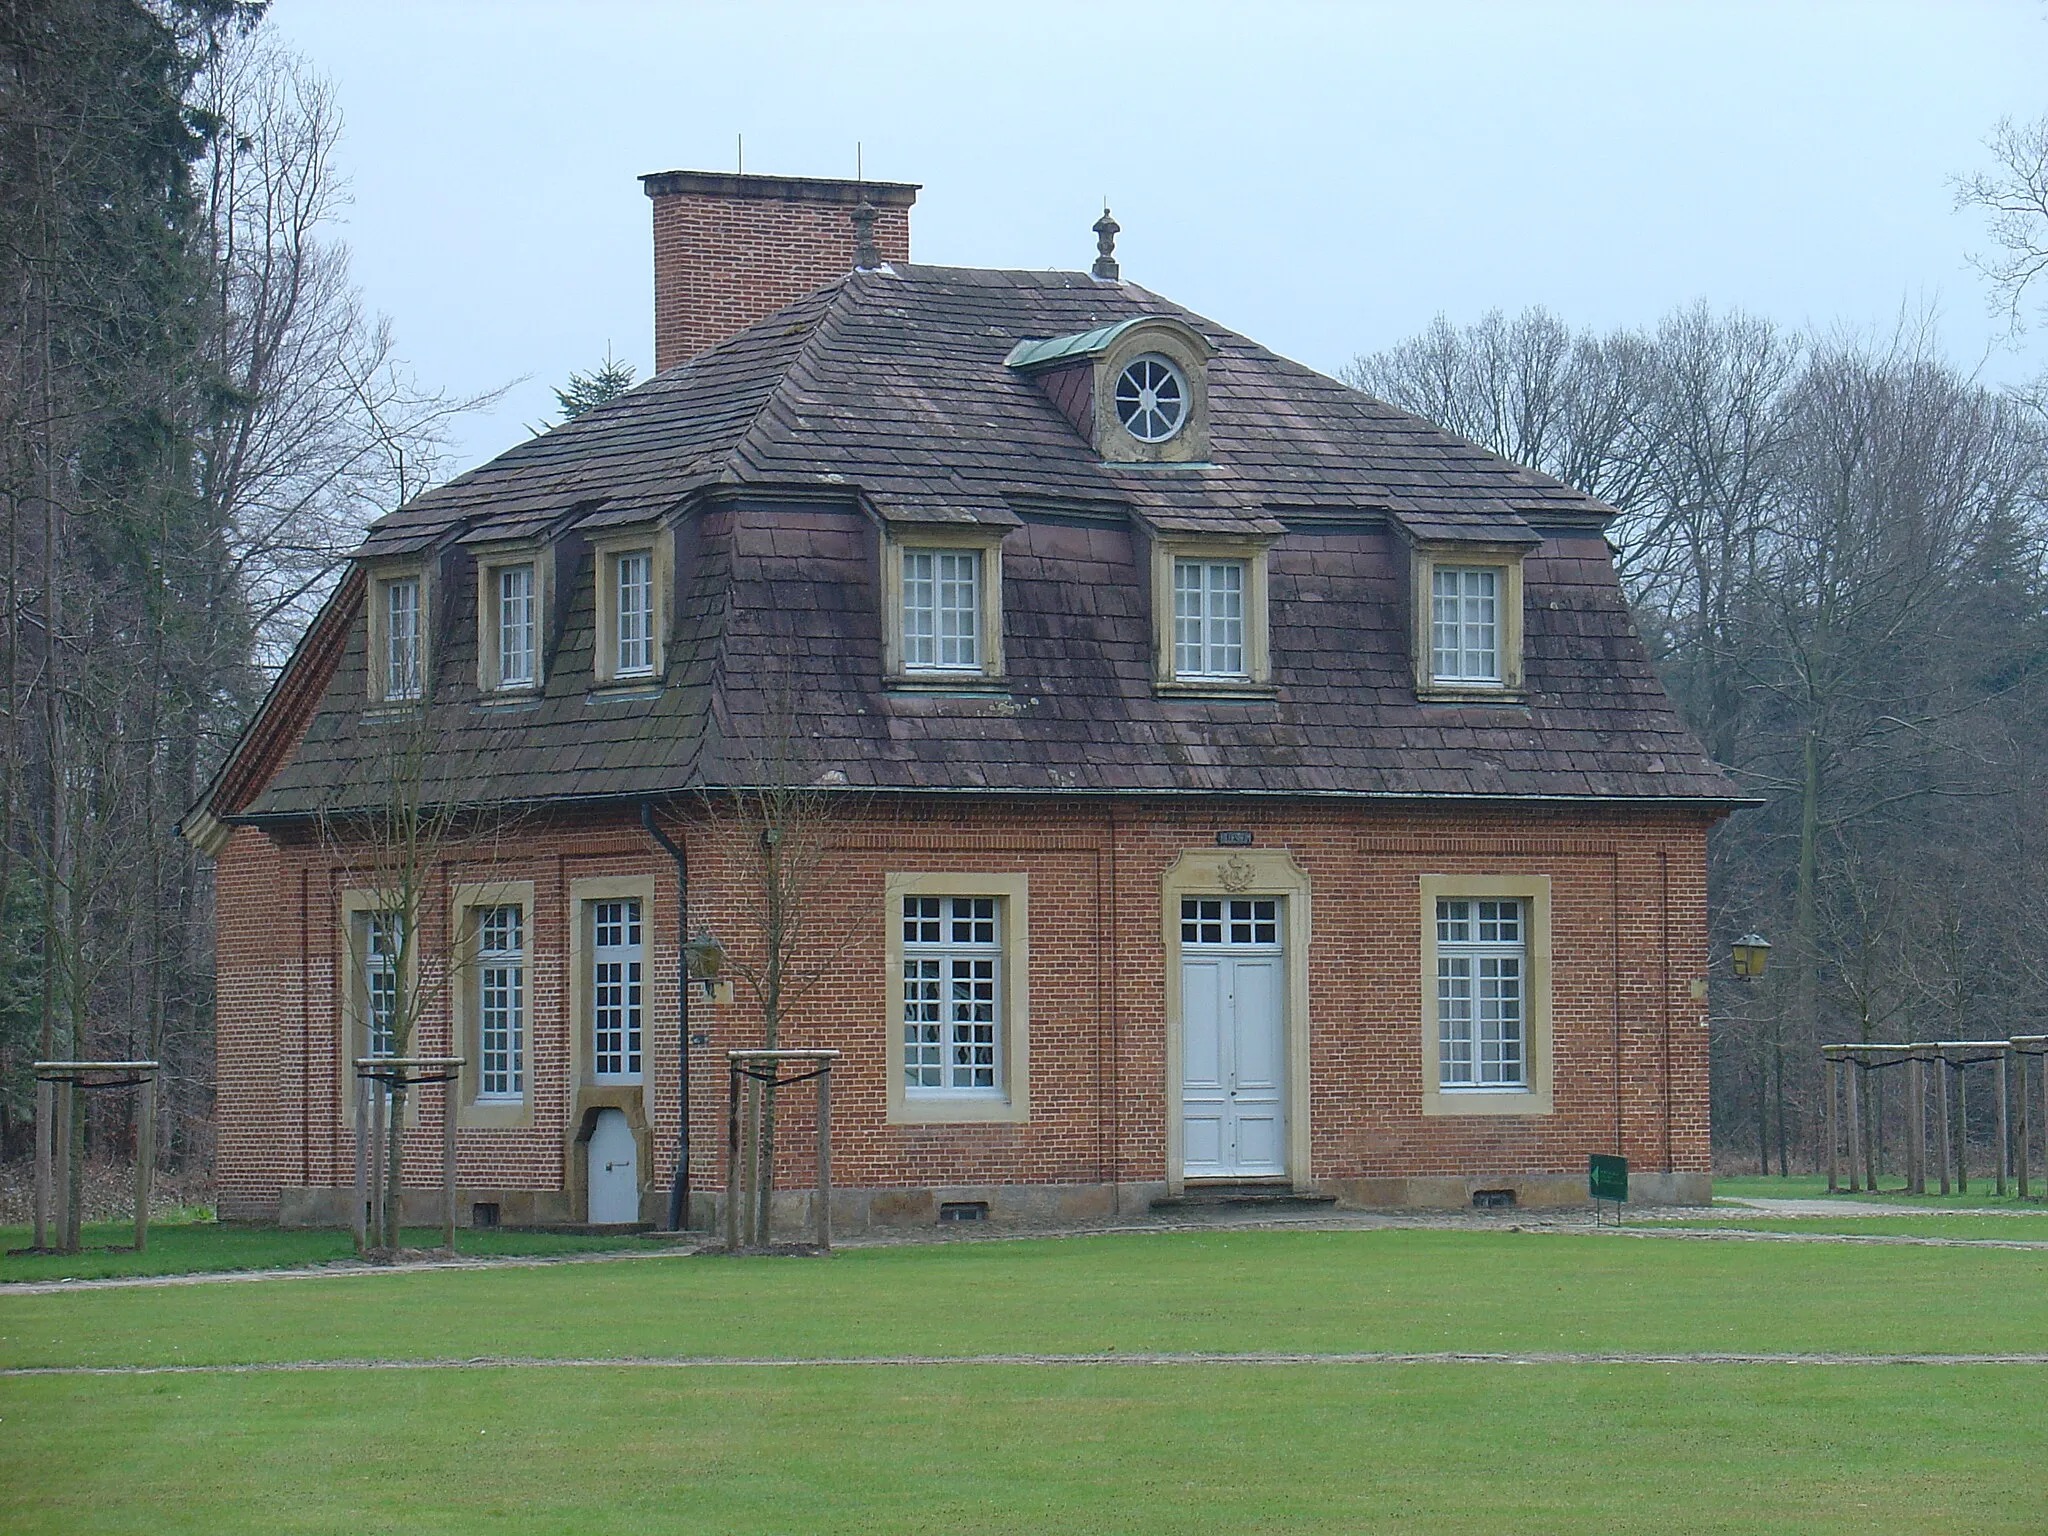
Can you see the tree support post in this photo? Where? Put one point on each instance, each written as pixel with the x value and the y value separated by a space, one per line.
pixel 1948 1150
pixel 145 1158
pixel 1831 1085
pixel 2026 1139
pixel 2004 1164
pixel 46 1146
pixel 449 1086
pixel 732 1157
pixel 1916 1123
pixel 825 1158
pixel 362 1206
pixel 1851 1078
pixel 67 1106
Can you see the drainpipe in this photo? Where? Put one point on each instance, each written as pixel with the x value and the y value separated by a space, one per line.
pixel 679 1187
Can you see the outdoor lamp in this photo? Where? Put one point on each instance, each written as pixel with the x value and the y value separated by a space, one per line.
pixel 704 955
pixel 1749 953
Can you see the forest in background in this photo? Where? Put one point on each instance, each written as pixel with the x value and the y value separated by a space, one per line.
pixel 197 419
pixel 1837 548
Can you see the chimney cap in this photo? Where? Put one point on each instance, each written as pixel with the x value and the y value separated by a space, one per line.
pixel 779 189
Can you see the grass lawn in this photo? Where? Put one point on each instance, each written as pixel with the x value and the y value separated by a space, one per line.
pixel 1983 1226
pixel 177 1248
pixel 1019 1449
pixel 1093 1448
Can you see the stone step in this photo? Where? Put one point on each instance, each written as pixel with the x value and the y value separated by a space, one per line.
pixel 1213 1197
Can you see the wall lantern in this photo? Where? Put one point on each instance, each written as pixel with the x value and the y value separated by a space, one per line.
pixel 704 956
pixel 1749 953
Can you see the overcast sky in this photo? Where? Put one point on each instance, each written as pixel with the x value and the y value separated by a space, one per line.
pixel 1322 177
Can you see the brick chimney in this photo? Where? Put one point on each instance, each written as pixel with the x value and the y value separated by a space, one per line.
pixel 730 249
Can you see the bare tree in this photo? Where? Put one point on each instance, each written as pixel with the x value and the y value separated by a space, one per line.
pixel 2014 197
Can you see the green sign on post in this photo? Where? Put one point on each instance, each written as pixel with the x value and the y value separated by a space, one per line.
pixel 1606 1179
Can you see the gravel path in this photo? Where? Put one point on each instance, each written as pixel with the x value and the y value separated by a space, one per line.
pixel 1642 1225
pixel 1131 1358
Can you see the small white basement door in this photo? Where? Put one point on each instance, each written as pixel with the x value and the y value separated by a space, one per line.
pixel 1233 1045
pixel 614 1171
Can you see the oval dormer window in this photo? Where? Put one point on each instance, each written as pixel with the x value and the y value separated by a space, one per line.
pixel 1151 399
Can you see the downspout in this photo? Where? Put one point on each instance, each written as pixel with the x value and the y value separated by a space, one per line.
pixel 679 1187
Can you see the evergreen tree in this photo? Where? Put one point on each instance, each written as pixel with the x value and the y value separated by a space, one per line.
pixel 600 386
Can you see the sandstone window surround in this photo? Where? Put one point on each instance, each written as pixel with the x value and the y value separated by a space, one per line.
pixel 379 975
pixel 633 574
pixel 398 656
pixel 1156 361
pixel 1467 639
pixel 1210 629
pixel 1486 1038
pixel 514 592
pixel 942 606
pixel 959 1014
pixel 492 1000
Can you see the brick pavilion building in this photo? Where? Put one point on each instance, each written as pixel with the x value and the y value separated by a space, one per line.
pixel 1233 780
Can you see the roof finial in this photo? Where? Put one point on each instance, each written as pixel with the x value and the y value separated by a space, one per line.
pixel 1106 229
pixel 866 254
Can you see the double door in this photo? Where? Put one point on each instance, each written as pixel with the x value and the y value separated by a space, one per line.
pixel 1233 1063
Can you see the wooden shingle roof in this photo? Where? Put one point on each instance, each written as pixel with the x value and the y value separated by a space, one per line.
pixel 885 397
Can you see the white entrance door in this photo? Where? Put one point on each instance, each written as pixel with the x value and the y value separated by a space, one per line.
pixel 614 1171
pixel 1233 1045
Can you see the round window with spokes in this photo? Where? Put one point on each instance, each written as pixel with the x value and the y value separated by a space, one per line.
pixel 1151 399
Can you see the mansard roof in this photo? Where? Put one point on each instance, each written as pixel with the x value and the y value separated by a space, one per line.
pixel 887 398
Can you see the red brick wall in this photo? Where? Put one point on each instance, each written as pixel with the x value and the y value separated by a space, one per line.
pixel 1628 939
pixel 726 258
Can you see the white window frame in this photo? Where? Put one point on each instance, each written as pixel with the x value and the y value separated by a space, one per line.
pixel 1460 1093
pixel 1254 673
pixel 620 964
pixel 942 610
pixel 382 955
pixel 501 1003
pixel 907 660
pixel 398 652
pixel 1209 619
pixel 633 613
pixel 518 624
pixel 1464 623
pixel 1445 670
pixel 952 996
pixel 1008 960
pixel 1482 1008
pixel 469 905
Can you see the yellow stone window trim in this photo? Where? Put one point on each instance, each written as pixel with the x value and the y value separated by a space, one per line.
pixel 1257 679
pixel 1506 561
pixel 466 902
pixel 383 577
pixel 356 908
pixel 899 539
pixel 1189 352
pixel 605 555
pixel 1533 891
pixel 489 567
pixel 1013 896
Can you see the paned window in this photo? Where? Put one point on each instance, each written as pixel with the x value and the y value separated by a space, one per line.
pixel 1464 624
pixel 1208 618
pixel 1481 963
pixel 1151 400
pixel 383 954
pixel 402 638
pixel 501 1003
pixel 617 963
pixel 952 998
pixel 1233 920
pixel 516 629
pixel 635 614
pixel 942 610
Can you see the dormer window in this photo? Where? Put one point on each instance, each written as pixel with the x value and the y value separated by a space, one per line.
pixel 1151 399
pixel 1468 621
pixel 1209 615
pixel 942 597
pixel 397 638
pixel 942 610
pixel 512 589
pixel 632 575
